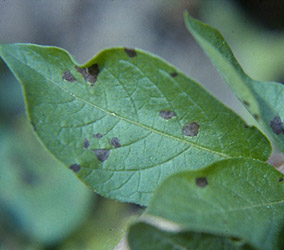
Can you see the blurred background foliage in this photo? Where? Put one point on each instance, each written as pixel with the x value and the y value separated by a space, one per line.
pixel 42 204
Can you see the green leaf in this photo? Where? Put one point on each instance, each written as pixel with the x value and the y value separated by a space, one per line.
pixel 264 100
pixel 38 196
pixel 241 198
pixel 142 236
pixel 126 120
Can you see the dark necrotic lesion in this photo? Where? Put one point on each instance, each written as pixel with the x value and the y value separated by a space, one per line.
pixel 130 52
pixel 75 167
pixel 167 115
pixel 67 75
pixel 277 125
pixel 115 142
pixel 90 74
pixel 191 129
pixel 102 154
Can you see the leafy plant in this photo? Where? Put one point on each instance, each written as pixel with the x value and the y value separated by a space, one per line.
pixel 135 129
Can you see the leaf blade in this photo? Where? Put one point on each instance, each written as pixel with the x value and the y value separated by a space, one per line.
pixel 262 99
pixel 125 99
pixel 241 198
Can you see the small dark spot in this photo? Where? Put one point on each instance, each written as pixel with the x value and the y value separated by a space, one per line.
pixel 34 127
pixel 102 154
pixel 86 143
pixel 201 182
pixel 174 74
pixel 82 71
pixel 93 73
pixel 277 125
pixel 191 129
pixel 75 167
pixel 68 76
pixel 246 103
pixel 98 135
pixel 115 142
pixel 167 115
pixel 256 117
pixel 130 52
pixel 236 239
pixel 245 125
pixel 90 74
pixel 281 179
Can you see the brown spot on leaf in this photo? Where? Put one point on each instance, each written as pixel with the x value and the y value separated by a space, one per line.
pixel 256 117
pixel 191 129
pixel 201 182
pixel 115 142
pixel 130 52
pixel 68 76
pixel 102 154
pixel 93 73
pixel 167 115
pixel 98 135
pixel 174 74
pixel 281 179
pixel 277 125
pixel 86 143
pixel 75 167
pixel 246 103
pixel 90 74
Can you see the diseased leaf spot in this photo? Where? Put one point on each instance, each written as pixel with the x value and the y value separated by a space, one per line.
pixel 98 135
pixel 191 129
pixel 75 167
pixel 130 52
pixel 256 117
pixel 102 154
pixel 277 125
pixel 90 74
pixel 93 73
pixel 201 182
pixel 281 179
pixel 68 76
pixel 167 115
pixel 115 142
pixel 86 143
pixel 246 103
pixel 174 74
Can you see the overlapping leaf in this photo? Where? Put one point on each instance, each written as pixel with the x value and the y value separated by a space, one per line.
pixel 264 100
pixel 144 236
pixel 126 120
pixel 235 198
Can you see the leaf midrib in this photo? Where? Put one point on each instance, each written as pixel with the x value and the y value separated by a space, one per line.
pixel 120 117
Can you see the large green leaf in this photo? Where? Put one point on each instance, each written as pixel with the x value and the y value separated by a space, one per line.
pixel 142 236
pixel 241 198
pixel 264 100
pixel 126 120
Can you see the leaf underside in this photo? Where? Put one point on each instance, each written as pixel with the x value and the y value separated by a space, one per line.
pixel 235 198
pixel 126 120
pixel 264 100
